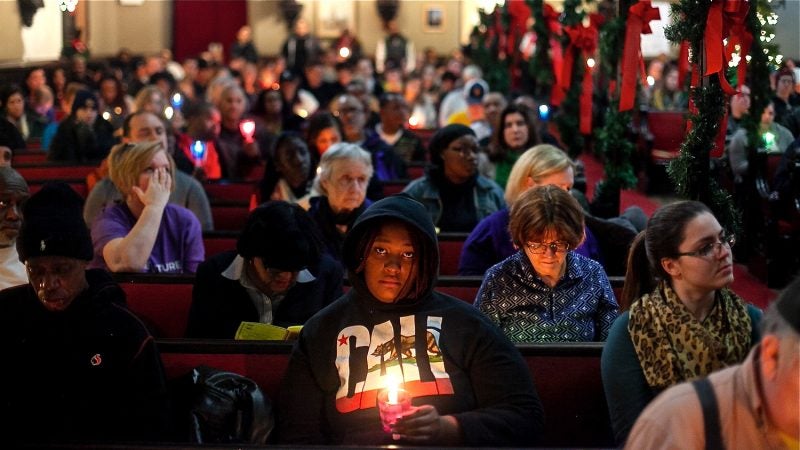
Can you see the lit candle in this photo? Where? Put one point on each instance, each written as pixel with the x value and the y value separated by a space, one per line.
pixel 198 152
pixel 248 129
pixel 393 403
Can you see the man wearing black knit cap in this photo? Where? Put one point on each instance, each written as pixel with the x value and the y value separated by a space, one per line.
pixel 79 366
pixel 277 275
pixel 755 404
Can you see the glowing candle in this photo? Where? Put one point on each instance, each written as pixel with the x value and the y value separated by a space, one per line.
pixel 248 129
pixel 393 403
pixel 198 152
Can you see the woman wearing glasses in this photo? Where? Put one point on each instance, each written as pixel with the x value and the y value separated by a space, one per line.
pixel 683 321
pixel 452 191
pixel 546 292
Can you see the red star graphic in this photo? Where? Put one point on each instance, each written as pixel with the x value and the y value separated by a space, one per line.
pixel 343 340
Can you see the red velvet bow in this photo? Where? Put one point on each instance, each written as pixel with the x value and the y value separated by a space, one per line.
pixel 638 23
pixel 556 54
pixel 584 40
pixel 726 19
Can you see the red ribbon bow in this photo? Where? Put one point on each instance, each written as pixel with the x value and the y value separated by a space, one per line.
pixel 638 23
pixel 556 54
pixel 583 40
pixel 726 19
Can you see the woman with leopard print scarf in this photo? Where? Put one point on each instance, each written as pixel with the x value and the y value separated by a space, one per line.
pixel 684 322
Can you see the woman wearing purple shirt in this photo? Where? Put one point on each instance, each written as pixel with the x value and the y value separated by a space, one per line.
pixel 145 233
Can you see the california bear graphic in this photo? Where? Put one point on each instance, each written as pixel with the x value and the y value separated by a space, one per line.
pixel 407 344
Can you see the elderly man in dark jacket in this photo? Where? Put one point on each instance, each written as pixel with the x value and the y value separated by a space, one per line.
pixel 79 366
pixel 277 275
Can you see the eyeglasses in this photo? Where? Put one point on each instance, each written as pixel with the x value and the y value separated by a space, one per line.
pixel 711 248
pixel 538 248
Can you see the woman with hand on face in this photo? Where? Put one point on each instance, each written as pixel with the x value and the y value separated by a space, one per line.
pixel 468 384
pixel 516 133
pixel 546 291
pixel 684 322
pixel 145 233
pixel 456 196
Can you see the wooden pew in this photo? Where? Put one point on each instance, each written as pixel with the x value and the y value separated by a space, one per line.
pixel 229 215
pixel 28 156
pixel 162 302
pixel 450 245
pixel 234 190
pixel 51 171
pixel 567 377
pixel 77 184
pixel 416 170
pixel 391 187
pixel 218 241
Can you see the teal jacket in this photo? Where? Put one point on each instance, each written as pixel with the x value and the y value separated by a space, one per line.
pixel 487 194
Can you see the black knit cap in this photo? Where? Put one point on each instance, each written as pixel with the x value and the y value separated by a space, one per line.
pixel 53 225
pixel 442 138
pixel 282 235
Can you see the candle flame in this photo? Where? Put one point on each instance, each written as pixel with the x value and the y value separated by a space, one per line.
pixel 392 388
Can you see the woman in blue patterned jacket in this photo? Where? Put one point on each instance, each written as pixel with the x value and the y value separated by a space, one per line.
pixel 546 292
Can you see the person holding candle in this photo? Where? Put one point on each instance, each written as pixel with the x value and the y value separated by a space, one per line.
pixel 467 383
pixel 240 150
pixel 203 128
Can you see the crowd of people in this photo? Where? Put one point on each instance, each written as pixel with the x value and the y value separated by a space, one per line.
pixel 316 137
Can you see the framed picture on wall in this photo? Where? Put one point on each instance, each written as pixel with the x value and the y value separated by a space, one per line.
pixel 333 17
pixel 433 19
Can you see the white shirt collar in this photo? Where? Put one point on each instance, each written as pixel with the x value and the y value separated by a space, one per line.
pixel 234 271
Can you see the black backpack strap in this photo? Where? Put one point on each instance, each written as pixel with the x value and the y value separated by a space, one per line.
pixel 708 403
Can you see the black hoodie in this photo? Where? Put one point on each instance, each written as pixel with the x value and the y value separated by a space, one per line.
pixel 450 357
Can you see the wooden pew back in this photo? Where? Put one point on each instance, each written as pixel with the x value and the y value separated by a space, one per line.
pixel 567 377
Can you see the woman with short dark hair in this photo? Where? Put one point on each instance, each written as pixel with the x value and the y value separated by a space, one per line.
pixel 547 292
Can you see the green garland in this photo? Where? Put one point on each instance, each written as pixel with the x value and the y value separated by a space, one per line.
pixel 541 68
pixel 612 143
pixel 486 54
pixel 568 116
pixel 690 171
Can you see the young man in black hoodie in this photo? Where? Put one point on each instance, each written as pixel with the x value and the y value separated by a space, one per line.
pixel 469 385
pixel 79 366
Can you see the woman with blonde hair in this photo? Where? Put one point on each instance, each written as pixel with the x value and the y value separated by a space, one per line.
pixel 145 233
pixel 490 242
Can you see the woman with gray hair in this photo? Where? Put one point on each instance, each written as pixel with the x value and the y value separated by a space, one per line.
pixel 339 194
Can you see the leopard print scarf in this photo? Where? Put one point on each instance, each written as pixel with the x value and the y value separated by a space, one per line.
pixel 673 346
